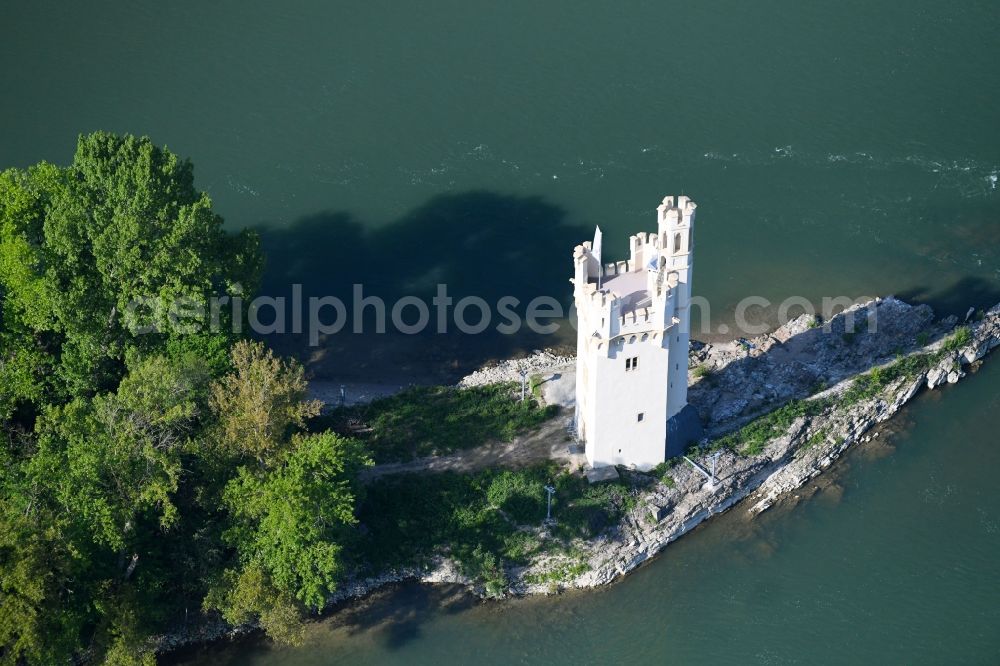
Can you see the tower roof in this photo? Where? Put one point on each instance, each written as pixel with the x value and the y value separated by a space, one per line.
pixel 630 288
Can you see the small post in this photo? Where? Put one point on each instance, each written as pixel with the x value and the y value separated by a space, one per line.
pixel 524 384
pixel 343 395
pixel 548 511
pixel 715 461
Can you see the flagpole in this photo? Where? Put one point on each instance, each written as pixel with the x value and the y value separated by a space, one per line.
pixel 596 251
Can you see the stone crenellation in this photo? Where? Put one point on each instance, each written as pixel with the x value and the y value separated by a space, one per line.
pixel 632 342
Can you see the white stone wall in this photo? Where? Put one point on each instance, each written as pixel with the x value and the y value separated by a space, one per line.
pixel 619 395
pixel 609 395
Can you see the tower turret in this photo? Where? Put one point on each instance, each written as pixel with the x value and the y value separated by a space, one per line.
pixel 632 342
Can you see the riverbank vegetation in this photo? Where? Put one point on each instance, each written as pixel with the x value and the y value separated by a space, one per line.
pixel 753 437
pixel 153 469
pixel 147 471
pixel 484 521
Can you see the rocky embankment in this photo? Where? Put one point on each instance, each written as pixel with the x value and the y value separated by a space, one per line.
pixel 733 383
pixel 510 370
pixel 845 413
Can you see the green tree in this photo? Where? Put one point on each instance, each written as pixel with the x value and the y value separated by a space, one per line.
pixel 291 502
pixel 260 403
pixel 289 523
pixel 91 253
pixel 89 513
pixel 143 474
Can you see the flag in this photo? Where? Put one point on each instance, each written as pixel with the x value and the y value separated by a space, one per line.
pixel 596 248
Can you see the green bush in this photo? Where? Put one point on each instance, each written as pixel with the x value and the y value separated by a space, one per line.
pixel 702 371
pixel 480 519
pixel 816 438
pixel 959 339
pixel 519 496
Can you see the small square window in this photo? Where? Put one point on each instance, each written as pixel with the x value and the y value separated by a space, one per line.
pixel 640 416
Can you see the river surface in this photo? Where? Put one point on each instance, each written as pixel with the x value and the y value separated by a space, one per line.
pixel 835 149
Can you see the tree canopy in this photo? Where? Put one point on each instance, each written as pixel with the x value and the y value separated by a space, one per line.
pixel 147 471
pixel 89 251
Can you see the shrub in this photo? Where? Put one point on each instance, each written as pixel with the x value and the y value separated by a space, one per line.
pixel 480 519
pixel 814 439
pixel 519 496
pixel 959 339
pixel 702 371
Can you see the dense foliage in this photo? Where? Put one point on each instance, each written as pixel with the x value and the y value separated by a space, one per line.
pixel 478 519
pixel 149 468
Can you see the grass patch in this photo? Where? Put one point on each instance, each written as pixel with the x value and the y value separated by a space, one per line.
pixel 702 371
pixel 560 573
pixel 872 383
pixel 815 439
pixel 753 437
pixel 482 520
pixel 535 386
pixel 662 472
pixel 437 420
pixel 958 339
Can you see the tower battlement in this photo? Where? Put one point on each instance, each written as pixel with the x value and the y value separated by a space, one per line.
pixel 633 334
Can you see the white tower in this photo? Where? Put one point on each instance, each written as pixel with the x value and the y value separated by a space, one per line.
pixel 632 344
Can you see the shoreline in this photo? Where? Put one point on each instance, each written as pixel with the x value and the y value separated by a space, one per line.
pixel 662 514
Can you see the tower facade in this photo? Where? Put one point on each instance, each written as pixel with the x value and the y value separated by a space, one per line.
pixel 633 335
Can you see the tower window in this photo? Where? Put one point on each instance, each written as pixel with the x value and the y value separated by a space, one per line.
pixel 639 418
pixel 631 363
pixel 677 243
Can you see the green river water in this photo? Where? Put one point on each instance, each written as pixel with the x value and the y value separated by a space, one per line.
pixel 835 149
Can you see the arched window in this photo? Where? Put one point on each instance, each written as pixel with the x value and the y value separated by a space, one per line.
pixel 677 243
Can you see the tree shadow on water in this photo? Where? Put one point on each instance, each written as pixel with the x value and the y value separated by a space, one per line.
pixel 477 243
pixel 394 618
